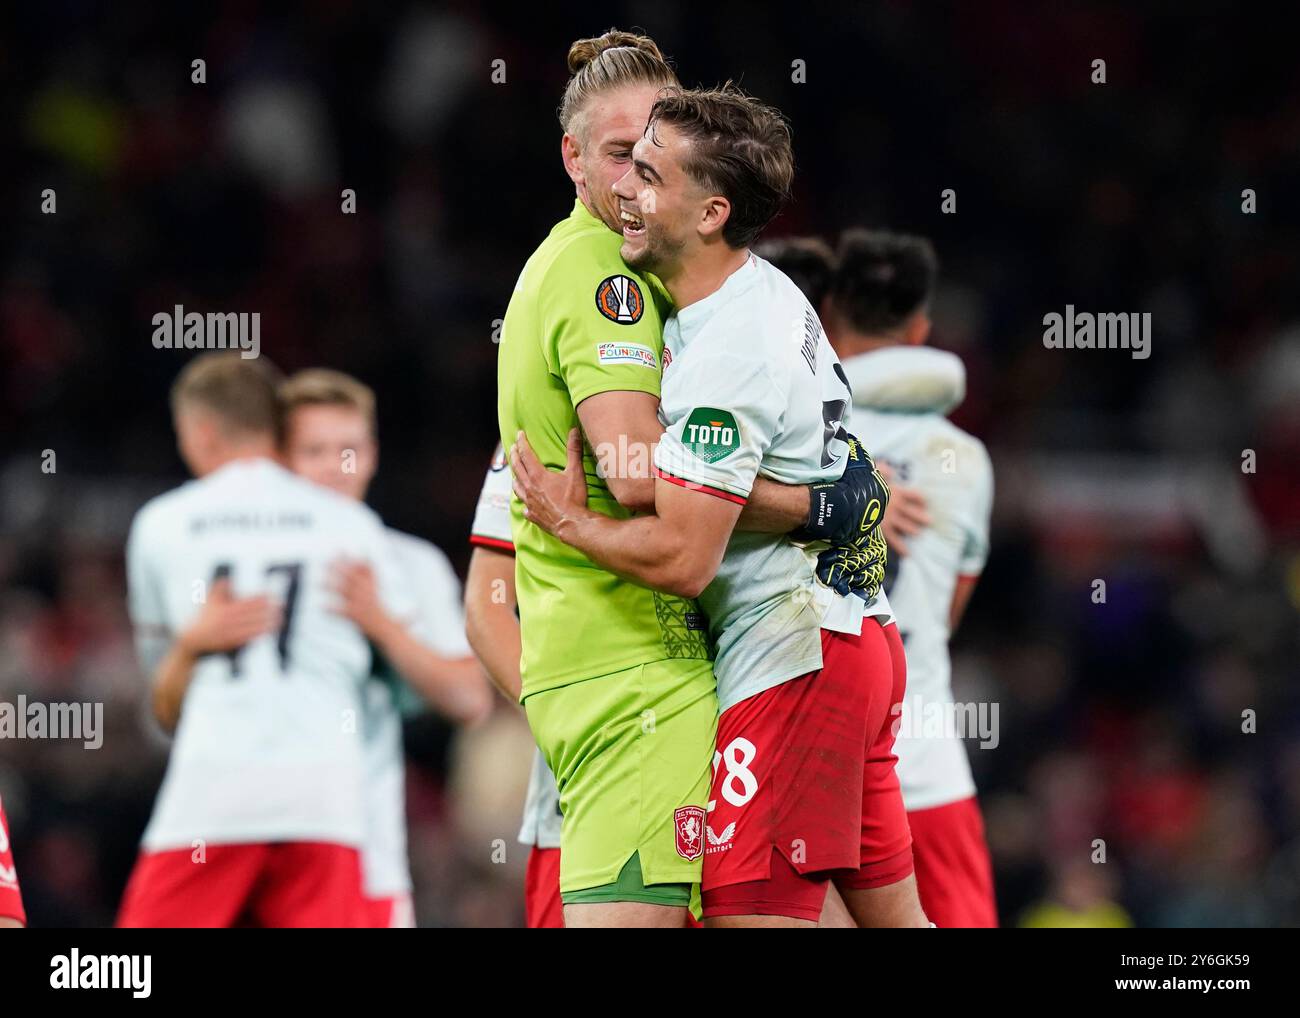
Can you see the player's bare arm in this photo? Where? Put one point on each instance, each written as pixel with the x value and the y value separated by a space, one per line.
pixel 453 686
pixel 490 621
pixel 225 623
pixel 677 550
pixel 961 594
pixel 775 508
pixel 622 422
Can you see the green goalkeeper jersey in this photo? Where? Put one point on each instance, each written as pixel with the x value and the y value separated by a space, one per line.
pixel 580 323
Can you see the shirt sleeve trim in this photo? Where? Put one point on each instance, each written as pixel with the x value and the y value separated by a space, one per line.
pixel 492 542
pixel 614 383
pixel 684 482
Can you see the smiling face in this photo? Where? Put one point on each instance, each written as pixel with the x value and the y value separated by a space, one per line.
pixel 664 211
pixel 599 151
pixel 332 446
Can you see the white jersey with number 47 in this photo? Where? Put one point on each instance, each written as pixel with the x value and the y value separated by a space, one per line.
pixel 268 747
pixel 751 386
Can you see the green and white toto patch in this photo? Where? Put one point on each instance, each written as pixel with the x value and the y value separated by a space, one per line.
pixel 711 434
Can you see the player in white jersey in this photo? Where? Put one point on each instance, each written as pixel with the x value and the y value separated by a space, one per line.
pixel 330 438
pixel 878 320
pixel 492 621
pixel 804 787
pixel 260 815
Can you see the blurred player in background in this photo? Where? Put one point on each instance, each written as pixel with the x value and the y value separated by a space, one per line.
pixel 261 815
pixel 11 899
pixel 492 622
pixel 803 742
pixel 878 320
pixel 330 437
pixel 810 264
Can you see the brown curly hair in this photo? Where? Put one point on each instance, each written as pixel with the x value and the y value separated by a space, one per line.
pixel 741 150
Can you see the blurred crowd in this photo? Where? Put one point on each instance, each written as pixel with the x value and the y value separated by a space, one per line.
pixel 1159 728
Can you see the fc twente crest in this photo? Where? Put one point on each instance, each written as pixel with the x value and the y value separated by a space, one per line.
pixel 688 823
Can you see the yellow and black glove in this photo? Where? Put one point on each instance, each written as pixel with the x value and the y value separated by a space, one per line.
pixel 847 513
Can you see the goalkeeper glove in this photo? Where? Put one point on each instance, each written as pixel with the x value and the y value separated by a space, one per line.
pixel 841 511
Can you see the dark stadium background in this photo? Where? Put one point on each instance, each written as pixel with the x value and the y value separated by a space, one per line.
pixel 1119 721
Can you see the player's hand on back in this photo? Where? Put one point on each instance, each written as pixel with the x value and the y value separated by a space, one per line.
pixel 226 622
pixel 908 512
pixel 353 581
pixel 550 497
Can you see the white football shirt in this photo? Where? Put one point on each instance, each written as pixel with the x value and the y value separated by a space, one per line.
pixel 491 526
pixel 901 395
pixel 491 529
pixel 432 589
pixel 267 748
pixel 752 386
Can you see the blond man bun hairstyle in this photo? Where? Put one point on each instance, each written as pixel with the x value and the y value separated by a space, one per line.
pixel 607 62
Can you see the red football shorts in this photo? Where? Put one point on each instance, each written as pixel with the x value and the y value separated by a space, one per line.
pixel 280 884
pixel 953 874
pixel 886 837
pixel 804 787
pixel 543 909
pixel 11 901
pixel 395 912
